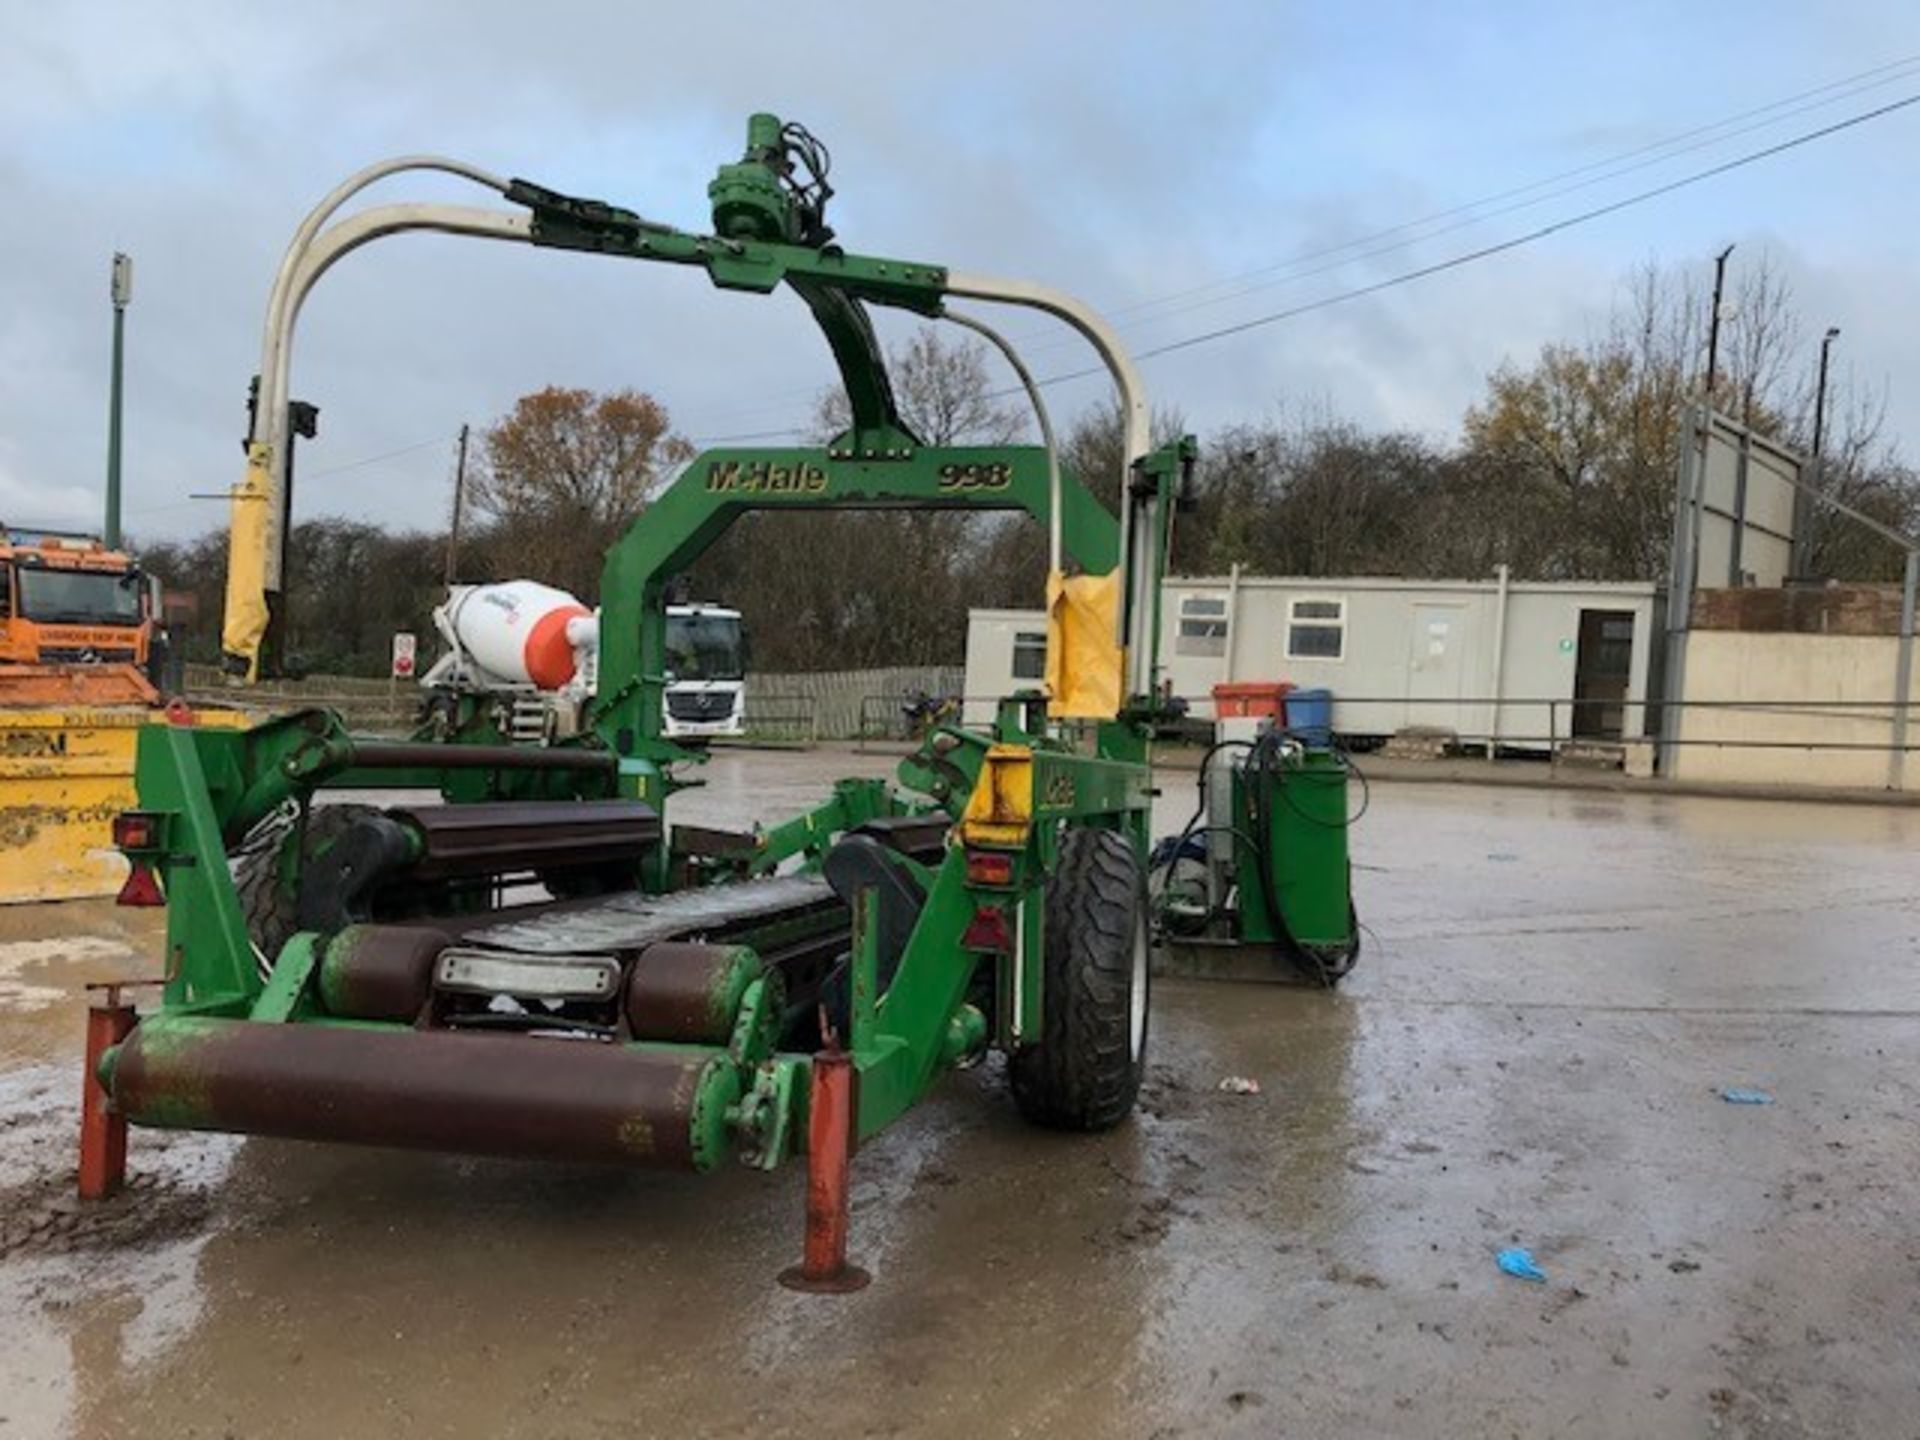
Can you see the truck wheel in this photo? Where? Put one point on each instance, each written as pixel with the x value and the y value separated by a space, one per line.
pixel 1084 1074
pixel 269 910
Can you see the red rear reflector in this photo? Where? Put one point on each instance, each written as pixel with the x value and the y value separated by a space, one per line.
pixel 988 930
pixel 142 887
pixel 989 867
pixel 136 830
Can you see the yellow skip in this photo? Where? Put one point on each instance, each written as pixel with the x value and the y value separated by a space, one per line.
pixel 64 774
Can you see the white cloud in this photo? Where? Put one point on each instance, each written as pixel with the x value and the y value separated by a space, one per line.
pixel 26 503
pixel 1115 151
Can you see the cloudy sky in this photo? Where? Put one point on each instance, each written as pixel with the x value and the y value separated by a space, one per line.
pixel 1142 155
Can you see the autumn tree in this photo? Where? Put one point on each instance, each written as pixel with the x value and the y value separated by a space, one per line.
pixel 564 473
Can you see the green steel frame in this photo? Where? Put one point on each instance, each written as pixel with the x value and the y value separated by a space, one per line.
pixel 209 788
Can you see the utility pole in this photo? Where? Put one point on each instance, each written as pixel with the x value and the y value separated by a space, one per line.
pixel 1820 395
pixel 121 288
pixel 1804 512
pixel 459 490
pixel 1713 320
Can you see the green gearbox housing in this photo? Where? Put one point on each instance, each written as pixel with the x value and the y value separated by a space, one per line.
pixel 750 202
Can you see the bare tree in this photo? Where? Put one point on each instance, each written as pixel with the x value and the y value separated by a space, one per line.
pixel 1860 468
pixel 944 391
pixel 1758 338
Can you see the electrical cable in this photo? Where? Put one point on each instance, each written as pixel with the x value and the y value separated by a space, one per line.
pixel 1475 212
pixel 1849 86
pixel 1454 262
pixel 309 476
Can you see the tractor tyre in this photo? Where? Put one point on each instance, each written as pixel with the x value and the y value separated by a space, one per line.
pixel 271 912
pixel 1085 1071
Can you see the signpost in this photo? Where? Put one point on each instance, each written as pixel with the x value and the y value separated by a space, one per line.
pixel 404 646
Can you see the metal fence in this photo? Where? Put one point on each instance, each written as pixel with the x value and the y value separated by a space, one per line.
pixel 1845 743
pixel 783 719
pixel 845 702
pixel 1571 721
pixel 1553 728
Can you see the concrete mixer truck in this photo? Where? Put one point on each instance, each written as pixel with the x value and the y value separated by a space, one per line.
pixel 534 650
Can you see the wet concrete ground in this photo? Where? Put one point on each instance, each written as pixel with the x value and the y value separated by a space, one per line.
pixel 1556 987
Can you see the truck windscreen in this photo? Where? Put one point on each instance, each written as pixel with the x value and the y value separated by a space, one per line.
pixel 78 597
pixel 704 647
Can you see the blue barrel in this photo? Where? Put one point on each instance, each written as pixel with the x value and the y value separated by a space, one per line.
pixel 1310 717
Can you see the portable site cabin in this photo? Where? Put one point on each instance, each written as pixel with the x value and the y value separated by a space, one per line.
pixel 1490 660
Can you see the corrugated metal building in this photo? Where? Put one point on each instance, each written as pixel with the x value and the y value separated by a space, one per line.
pixel 1478 657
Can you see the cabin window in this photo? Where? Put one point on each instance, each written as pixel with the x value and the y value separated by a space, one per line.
pixel 1029 654
pixel 1316 629
pixel 1203 626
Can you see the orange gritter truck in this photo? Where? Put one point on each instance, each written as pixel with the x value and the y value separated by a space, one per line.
pixel 77 643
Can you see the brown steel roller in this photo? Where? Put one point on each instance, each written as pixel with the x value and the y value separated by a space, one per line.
pixel 689 993
pixel 379 972
pixel 429 1090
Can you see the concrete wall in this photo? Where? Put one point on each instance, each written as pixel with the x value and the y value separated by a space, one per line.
pixel 1415 651
pixel 1727 665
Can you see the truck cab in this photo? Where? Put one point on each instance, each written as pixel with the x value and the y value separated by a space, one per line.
pixel 706 672
pixel 67 600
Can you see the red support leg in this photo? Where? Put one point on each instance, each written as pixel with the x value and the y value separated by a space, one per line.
pixel 103 1134
pixel 825 1270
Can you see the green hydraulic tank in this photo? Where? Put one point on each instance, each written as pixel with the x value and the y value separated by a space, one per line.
pixel 1295 802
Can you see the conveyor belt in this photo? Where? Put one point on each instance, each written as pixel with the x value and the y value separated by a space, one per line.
pixel 632 921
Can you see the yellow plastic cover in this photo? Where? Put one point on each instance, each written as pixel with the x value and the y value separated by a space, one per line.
pixel 247 542
pixel 1084 659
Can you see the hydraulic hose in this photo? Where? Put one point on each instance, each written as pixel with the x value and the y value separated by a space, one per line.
pixel 1040 415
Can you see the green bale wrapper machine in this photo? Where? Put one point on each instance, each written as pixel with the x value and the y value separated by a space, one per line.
pixel 674 995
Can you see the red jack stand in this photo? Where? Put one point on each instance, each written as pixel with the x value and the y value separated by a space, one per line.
pixel 103 1134
pixel 825 1270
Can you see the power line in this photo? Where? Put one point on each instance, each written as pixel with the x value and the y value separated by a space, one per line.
pixel 749 435
pixel 1848 87
pixel 376 459
pixel 1470 220
pixel 1499 247
pixel 305 476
